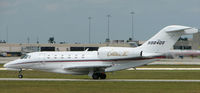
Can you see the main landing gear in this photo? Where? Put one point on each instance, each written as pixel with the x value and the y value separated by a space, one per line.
pixel 20 73
pixel 99 75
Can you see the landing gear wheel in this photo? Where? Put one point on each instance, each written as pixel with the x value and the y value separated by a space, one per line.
pixel 95 76
pixel 20 73
pixel 99 75
pixel 103 76
pixel 20 76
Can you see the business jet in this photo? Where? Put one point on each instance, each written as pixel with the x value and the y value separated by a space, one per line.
pixel 106 59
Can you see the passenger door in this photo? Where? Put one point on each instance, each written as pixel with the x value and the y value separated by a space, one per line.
pixel 42 59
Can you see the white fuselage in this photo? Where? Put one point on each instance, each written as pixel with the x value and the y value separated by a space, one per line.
pixel 115 58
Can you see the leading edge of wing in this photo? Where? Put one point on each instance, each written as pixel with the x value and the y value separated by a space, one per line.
pixel 87 66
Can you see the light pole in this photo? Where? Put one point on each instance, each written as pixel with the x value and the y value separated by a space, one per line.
pixel 89 18
pixel 37 40
pixel 28 40
pixel 7 34
pixel 132 26
pixel 108 38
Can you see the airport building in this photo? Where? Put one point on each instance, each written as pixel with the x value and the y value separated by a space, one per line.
pixel 196 41
pixel 189 44
pixel 19 49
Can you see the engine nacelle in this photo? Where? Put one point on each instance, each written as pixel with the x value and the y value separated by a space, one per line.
pixel 118 52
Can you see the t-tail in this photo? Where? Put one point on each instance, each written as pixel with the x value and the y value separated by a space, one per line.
pixel 164 40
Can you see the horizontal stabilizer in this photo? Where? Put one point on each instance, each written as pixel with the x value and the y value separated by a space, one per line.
pixel 182 29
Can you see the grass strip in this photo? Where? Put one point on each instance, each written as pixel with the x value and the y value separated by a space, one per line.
pixel 97 87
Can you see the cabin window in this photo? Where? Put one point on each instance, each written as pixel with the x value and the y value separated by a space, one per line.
pixel 48 56
pixel 83 56
pixel 69 56
pixel 62 56
pixel 55 56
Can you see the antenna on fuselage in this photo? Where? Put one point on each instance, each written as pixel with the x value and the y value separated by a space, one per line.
pixel 87 49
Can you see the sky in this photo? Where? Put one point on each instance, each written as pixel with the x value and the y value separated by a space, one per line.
pixel 67 20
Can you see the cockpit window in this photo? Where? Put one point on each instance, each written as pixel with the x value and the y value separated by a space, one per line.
pixel 28 57
pixel 25 56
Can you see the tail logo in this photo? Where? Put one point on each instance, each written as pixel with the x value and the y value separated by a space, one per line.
pixel 157 42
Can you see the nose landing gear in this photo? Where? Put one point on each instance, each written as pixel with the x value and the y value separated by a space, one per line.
pixel 20 73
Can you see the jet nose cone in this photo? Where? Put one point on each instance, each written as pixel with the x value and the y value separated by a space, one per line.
pixel 9 64
pixel 6 65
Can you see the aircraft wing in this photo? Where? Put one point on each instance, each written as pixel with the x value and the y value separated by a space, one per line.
pixel 89 66
pixel 82 68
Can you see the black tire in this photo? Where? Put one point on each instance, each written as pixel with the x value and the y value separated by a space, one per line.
pixel 103 76
pixel 20 76
pixel 95 76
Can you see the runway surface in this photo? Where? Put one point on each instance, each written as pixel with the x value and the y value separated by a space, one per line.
pixel 106 80
pixel 136 69
pixel 164 69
